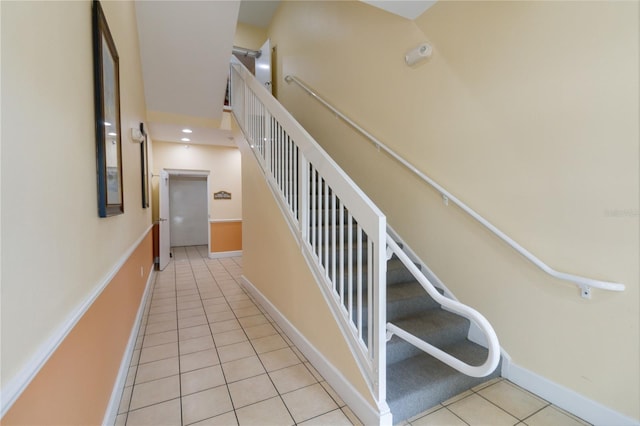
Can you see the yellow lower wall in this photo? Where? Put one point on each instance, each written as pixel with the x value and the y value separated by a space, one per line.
pixel 75 384
pixel 225 236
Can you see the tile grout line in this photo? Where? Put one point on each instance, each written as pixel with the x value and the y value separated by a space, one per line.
pixel 138 364
pixel 256 352
pixel 206 315
pixel 288 347
pixel 501 408
pixel 176 270
pixel 207 264
pixel 197 288
pixel 175 287
pixel 147 309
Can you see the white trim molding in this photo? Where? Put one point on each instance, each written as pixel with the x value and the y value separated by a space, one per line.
pixel 221 254
pixel 118 388
pixel 224 220
pixel 567 399
pixel 187 172
pixel 368 414
pixel 14 388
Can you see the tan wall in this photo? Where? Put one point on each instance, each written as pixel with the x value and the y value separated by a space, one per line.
pixel 225 236
pixel 57 251
pixel 528 111
pixel 74 386
pixel 273 263
pixel 249 36
pixel 222 162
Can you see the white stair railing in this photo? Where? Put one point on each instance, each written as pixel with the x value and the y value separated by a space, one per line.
pixel 341 232
pixel 493 357
pixel 584 283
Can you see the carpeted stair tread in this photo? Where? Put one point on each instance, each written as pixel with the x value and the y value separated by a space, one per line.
pixel 436 327
pixel 408 299
pixel 403 300
pixel 435 321
pixel 418 383
pixel 397 272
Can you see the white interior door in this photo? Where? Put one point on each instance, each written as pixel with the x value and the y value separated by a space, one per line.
pixel 263 65
pixel 189 211
pixel 165 227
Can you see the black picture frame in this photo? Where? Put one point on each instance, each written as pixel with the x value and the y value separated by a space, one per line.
pixel 144 167
pixel 107 113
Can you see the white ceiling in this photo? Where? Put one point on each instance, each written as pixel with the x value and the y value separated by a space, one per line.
pixel 185 47
pixel 170 132
pixel 257 12
pixel 409 9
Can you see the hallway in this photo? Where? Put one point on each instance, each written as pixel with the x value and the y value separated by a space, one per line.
pixel 207 354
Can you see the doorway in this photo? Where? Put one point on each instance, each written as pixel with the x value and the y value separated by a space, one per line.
pixel 189 213
pixel 184 211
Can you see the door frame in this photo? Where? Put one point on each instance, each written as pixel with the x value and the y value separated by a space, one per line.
pixel 192 173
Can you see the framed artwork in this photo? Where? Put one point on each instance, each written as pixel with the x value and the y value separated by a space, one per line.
pixel 107 112
pixel 144 167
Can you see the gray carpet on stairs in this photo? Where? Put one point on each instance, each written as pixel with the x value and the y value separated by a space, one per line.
pixel 415 380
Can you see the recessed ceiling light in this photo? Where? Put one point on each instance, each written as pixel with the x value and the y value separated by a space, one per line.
pixel 185 130
pixel 107 124
pixel 112 134
pixel 185 140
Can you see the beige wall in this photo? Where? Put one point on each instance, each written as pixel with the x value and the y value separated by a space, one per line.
pixel 222 162
pixel 274 264
pixel 528 111
pixel 74 386
pixel 249 36
pixel 56 250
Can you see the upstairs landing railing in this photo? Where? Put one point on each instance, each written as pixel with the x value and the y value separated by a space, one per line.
pixel 340 231
pixel 585 284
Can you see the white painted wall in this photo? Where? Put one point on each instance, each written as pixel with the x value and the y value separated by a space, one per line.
pixel 188 206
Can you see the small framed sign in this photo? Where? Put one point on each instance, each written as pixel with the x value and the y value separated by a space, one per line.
pixel 222 195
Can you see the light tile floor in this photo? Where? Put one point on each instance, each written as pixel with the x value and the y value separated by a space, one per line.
pixel 208 354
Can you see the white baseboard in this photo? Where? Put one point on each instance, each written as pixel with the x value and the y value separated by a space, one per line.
pixel 221 254
pixel 567 399
pixel 367 413
pixel 14 388
pixel 116 395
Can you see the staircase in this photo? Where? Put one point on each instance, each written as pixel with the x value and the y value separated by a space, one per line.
pixel 415 380
pixel 343 236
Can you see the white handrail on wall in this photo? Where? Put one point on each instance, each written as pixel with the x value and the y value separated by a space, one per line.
pixel 493 357
pixel 584 283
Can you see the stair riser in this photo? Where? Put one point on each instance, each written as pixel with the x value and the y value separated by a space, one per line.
pixel 404 308
pixel 421 382
pixel 399 350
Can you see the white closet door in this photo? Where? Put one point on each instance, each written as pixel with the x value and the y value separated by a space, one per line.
pixel 189 211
